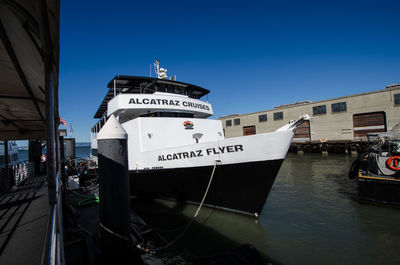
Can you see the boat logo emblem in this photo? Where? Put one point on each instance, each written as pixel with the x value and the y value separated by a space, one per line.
pixel 188 125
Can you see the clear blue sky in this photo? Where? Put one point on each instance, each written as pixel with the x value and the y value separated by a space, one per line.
pixel 252 55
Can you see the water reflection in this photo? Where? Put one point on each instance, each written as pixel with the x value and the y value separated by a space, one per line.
pixel 310 218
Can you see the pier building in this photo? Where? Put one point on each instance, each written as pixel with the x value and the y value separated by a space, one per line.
pixel 32 199
pixel 344 120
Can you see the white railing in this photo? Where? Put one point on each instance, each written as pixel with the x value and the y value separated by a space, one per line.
pixel 22 171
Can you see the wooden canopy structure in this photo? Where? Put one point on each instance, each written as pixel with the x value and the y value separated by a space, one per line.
pixel 29 61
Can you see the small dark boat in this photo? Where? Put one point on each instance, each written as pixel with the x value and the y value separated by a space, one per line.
pixel 377 170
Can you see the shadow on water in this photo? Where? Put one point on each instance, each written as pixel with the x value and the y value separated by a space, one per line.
pixel 213 232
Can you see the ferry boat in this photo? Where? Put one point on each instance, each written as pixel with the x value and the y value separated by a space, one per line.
pixel 174 151
pixel 377 170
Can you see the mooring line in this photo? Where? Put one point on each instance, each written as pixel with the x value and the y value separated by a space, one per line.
pixel 149 250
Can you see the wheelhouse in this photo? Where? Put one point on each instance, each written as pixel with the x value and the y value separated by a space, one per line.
pixel 162 91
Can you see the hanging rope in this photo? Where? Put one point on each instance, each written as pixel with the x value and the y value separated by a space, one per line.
pixel 205 194
pixel 149 250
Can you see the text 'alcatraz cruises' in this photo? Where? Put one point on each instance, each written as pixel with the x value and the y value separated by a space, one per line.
pixel 166 102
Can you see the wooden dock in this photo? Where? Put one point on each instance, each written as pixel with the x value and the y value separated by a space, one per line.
pixel 342 147
pixel 23 222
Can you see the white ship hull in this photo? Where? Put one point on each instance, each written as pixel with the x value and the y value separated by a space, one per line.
pixel 173 148
pixel 253 148
pixel 245 172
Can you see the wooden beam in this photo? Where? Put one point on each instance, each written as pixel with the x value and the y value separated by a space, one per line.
pixel 11 53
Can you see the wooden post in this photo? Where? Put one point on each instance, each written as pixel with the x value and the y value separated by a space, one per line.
pixel 324 149
pixel 300 150
pixel 353 149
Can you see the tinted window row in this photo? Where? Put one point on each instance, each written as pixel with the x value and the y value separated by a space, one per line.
pixel 235 122
pixel 341 106
pixel 261 118
pixel 277 116
pixel 335 107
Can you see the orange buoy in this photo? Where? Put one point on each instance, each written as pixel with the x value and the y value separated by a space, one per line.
pixel 393 163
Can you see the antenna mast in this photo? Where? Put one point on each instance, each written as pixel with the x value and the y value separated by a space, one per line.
pixel 160 72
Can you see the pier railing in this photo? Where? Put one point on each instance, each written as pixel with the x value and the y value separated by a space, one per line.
pixel 14 174
pixel 53 251
pixel 22 170
pixel 5 181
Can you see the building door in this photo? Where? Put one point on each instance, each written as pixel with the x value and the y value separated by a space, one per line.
pixel 302 132
pixel 249 130
pixel 367 123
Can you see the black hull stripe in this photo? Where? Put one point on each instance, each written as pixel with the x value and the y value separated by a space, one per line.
pixel 242 187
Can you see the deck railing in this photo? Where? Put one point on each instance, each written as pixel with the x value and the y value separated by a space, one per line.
pixel 14 174
pixel 53 251
pixel 21 171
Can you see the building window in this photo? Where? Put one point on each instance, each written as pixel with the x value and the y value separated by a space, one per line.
pixel 396 99
pixel 278 116
pixel 228 123
pixel 338 107
pixel 319 110
pixel 262 117
pixel 236 121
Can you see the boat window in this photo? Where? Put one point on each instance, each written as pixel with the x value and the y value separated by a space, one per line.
pixel 262 118
pixel 186 115
pixel 396 99
pixel 97 127
pixel 338 107
pixel 228 123
pixel 161 89
pixel 171 90
pixel 181 91
pixel 236 121
pixel 319 110
pixel 278 116
pixel 169 114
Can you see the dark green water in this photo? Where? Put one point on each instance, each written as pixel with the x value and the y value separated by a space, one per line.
pixel 311 217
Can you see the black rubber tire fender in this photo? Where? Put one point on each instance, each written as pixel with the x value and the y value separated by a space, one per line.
pixel 353 172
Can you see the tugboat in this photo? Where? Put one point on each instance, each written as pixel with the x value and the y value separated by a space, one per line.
pixel 377 170
pixel 175 152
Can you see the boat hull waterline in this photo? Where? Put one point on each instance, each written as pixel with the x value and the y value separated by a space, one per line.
pixel 241 187
pixel 246 168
